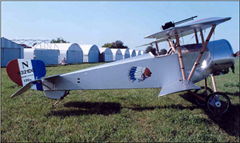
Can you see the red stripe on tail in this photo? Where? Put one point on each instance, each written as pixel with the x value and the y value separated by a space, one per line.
pixel 14 72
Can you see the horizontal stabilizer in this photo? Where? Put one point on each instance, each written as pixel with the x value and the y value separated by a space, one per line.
pixel 176 87
pixel 25 88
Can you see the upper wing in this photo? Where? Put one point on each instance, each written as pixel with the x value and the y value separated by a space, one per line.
pixel 188 28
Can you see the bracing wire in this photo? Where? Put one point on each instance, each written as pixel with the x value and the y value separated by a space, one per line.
pixel 183 40
pixel 201 38
pixel 166 45
pixel 213 43
pixel 191 39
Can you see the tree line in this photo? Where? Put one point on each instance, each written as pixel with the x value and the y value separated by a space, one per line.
pixel 118 44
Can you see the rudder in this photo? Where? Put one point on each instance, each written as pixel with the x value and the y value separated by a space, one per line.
pixel 23 71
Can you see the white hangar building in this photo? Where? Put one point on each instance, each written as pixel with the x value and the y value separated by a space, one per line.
pixel 132 53
pixel 117 54
pixel 54 53
pixel 72 52
pixel 9 51
pixel 29 53
pixel 125 53
pixel 90 53
pixel 47 53
pixel 105 55
pixel 138 52
pixel 48 56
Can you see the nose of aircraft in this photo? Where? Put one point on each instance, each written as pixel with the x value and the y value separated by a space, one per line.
pixel 221 55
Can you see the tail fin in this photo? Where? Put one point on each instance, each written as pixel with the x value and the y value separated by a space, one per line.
pixel 24 71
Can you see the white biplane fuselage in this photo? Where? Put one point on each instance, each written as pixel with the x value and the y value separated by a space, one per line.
pixel 165 71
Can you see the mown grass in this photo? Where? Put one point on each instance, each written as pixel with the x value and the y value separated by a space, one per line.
pixel 116 115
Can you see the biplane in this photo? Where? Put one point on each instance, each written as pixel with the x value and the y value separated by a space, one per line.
pixel 177 70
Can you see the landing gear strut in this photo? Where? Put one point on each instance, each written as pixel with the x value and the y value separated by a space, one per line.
pixel 204 94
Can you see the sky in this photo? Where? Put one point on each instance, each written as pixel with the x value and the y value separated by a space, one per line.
pixel 100 22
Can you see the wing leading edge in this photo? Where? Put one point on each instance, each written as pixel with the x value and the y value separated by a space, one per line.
pixel 188 28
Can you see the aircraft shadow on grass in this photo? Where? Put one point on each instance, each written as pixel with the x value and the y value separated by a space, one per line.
pixel 88 108
pixel 233 94
pixel 104 108
pixel 229 121
pixel 178 106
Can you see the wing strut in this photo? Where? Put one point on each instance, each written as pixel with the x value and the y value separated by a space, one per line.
pixel 195 31
pixel 180 57
pixel 214 83
pixel 202 36
pixel 201 52
pixel 157 48
pixel 171 44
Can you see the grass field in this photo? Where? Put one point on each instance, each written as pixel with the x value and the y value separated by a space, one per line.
pixel 116 115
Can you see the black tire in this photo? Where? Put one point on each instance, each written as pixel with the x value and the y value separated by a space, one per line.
pixel 218 103
pixel 201 92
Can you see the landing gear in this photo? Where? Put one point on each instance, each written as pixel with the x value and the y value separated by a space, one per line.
pixel 204 93
pixel 218 103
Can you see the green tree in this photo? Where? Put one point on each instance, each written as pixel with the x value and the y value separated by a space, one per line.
pixel 117 44
pixel 59 40
pixel 109 45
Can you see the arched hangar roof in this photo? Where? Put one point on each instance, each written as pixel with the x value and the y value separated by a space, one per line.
pixel 87 48
pixel 106 50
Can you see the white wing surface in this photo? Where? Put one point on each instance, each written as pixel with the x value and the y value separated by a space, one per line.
pixel 188 28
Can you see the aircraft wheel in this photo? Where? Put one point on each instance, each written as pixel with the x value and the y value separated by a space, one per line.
pixel 218 103
pixel 204 94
